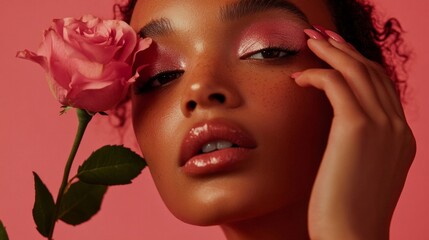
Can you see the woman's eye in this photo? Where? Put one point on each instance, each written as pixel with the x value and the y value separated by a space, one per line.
pixel 163 78
pixel 271 53
pixel 159 80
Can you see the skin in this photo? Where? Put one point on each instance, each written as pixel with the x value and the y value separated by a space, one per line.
pixel 333 146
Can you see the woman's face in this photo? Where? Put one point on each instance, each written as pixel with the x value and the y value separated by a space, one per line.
pixel 226 132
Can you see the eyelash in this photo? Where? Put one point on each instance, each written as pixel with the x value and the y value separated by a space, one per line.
pixel 287 53
pixel 164 78
pixel 159 80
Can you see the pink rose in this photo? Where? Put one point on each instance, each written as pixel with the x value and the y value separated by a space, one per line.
pixel 88 61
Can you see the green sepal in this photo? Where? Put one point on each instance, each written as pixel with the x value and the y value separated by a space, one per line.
pixel 111 165
pixel 65 109
pixel 44 207
pixel 81 202
pixel 3 233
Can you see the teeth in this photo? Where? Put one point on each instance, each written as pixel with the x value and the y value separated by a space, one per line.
pixel 223 144
pixel 210 147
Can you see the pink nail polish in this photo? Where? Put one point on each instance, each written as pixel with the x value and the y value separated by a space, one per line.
pixel 295 75
pixel 313 34
pixel 321 30
pixel 335 36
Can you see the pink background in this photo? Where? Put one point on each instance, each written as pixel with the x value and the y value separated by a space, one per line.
pixel 34 138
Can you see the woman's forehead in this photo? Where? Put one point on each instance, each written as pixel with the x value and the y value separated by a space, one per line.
pixel 314 11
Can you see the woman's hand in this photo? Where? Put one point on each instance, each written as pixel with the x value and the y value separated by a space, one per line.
pixel 370 147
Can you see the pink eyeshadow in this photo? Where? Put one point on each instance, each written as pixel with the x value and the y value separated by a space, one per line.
pixel 159 59
pixel 272 32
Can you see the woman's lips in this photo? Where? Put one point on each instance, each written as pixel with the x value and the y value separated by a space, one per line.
pixel 194 162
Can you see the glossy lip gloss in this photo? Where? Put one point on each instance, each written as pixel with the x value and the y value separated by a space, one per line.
pixel 194 162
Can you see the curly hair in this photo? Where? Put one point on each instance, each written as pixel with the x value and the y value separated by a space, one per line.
pixel 358 22
pixel 380 41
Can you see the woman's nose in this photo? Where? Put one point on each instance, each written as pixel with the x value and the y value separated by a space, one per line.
pixel 208 87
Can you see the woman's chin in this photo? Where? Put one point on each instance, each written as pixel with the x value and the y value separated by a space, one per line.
pixel 227 200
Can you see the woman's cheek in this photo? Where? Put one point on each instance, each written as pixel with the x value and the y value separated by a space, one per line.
pixel 154 118
pixel 286 112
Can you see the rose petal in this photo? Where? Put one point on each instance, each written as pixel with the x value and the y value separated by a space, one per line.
pixel 99 53
pixel 126 37
pixel 100 94
pixel 63 60
pixel 108 40
pixel 90 20
pixel 57 91
pixel 113 72
pixel 143 44
pixel 100 100
pixel 86 61
pixel 41 60
pixel 88 69
pixel 137 74
pixel 58 26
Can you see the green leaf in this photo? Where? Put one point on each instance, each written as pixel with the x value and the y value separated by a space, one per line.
pixel 3 233
pixel 44 207
pixel 111 165
pixel 81 202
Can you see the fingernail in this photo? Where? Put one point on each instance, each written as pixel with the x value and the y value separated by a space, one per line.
pixel 321 30
pixel 351 46
pixel 295 75
pixel 313 34
pixel 335 36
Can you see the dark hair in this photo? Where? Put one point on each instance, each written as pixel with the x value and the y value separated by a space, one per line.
pixel 357 21
pixel 380 41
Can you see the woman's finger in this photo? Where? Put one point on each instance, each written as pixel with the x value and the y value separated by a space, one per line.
pixel 337 90
pixel 384 86
pixel 355 72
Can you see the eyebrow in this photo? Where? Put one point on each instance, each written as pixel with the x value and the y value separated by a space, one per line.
pixel 157 27
pixel 244 8
pixel 230 12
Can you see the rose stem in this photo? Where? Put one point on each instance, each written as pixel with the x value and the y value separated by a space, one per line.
pixel 84 118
